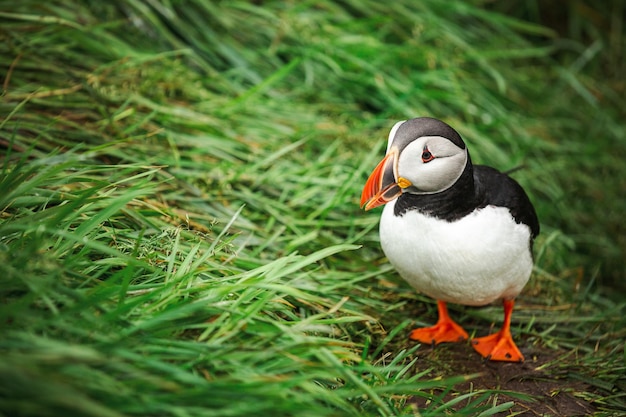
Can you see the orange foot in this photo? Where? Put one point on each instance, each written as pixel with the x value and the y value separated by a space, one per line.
pixel 445 330
pixel 500 346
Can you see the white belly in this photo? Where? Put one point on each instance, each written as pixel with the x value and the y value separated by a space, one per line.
pixel 473 261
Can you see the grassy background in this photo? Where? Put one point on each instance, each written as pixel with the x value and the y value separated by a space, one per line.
pixel 180 232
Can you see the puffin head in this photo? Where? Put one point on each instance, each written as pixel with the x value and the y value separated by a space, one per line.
pixel 424 156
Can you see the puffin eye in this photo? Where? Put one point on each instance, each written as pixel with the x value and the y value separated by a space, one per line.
pixel 427 156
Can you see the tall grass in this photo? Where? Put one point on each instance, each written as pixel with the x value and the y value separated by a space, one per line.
pixel 180 230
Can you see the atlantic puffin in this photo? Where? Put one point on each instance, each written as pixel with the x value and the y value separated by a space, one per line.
pixel 457 232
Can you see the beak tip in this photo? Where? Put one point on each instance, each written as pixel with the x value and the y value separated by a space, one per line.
pixel 379 190
pixel 372 203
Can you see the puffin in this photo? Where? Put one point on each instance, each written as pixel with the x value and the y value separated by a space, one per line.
pixel 456 232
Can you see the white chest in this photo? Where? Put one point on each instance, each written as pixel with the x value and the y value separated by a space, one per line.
pixel 473 261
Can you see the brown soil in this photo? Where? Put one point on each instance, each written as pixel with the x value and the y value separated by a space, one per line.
pixel 551 394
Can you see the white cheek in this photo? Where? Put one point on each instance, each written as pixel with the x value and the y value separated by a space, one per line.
pixel 431 178
pixel 438 175
pixel 434 176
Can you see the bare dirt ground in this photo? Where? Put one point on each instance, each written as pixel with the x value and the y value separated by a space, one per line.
pixel 551 393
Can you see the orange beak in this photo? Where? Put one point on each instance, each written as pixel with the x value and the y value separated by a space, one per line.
pixel 382 187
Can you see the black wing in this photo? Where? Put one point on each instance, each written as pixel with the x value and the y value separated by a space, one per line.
pixel 498 189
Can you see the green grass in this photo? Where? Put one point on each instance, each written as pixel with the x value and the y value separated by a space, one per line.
pixel 179 224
